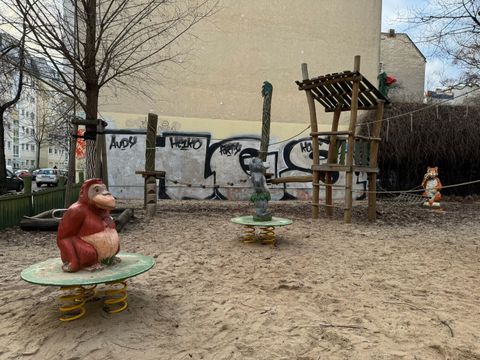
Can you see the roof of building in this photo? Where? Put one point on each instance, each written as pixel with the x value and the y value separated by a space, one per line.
pixel 393 34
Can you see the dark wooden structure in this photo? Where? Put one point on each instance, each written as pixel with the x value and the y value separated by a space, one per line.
pixel 345 91
pixel 150 174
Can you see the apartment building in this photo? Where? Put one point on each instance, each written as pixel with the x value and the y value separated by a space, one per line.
pixel 401 59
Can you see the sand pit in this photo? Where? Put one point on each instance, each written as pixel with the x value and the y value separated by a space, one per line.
pixel 406 287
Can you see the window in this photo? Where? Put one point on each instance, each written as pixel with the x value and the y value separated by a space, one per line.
pixel 23 147
pixel 56 151
pixel 33 147
pixel 9 162
pixel 9 145
pixel 26 147
pixel 50 150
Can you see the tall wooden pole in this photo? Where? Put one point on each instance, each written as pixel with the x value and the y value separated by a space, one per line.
pixel 347 216
pixel 104 155
pixel 372 176
pixel 315 146
pixel 150 179
pixel 98 150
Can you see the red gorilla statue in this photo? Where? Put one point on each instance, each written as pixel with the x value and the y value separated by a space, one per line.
pixel 86 235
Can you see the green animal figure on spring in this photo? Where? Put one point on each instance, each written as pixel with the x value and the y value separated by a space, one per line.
pixel 261 196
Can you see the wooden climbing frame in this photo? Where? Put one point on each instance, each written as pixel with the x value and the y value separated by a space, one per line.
pixel 345 91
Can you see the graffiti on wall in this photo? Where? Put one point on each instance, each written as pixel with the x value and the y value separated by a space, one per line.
pixel 199 167
pixel 122 143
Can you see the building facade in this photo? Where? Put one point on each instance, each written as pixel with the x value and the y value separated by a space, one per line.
pixel 217 87
pixel 402 60
pixel 31 122
pixel 463 94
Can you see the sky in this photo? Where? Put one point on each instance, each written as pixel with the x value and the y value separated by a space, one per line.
pixel 436 68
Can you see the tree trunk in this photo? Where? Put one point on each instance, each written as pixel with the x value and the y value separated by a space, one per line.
pixel 3 171
pixel 91 84
pixel 38 144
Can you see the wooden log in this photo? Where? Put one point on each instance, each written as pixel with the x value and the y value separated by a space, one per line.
pixel 151 142
pixel 315 145
pixel 122 219
pixel 351 143
pixel 289 179
pixel 372 177
pixel 333 132
pixel 150 193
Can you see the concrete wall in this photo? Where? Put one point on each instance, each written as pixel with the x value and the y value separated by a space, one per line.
pixel 402 60
pixel 198 167
pixel 248 42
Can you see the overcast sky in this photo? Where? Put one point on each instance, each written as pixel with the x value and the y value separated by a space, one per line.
pixel 392 11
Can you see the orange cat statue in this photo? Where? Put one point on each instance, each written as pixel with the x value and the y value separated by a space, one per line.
pixel 432 185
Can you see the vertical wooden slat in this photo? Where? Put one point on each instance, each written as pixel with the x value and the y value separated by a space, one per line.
pixel 351 143
pixel 315 146
pixel 104 156
pixel 332 158
pixel 372 177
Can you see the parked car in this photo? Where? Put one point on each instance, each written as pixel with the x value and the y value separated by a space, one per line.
pixel 34 174
pixel 47 176
pixel 14 182
pixel 22 173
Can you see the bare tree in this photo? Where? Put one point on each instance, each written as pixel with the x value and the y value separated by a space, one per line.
pixel 93 44
pixel 51 124
pixel 12 62
pixel 452 28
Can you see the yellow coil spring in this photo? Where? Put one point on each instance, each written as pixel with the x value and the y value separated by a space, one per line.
pixel 74 309
pixel 267 235
pixel 249 234
pixel 118 297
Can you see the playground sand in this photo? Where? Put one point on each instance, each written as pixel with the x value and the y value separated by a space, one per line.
pixel 406 287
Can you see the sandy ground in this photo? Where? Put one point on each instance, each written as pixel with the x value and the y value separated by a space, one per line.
pixel 406 287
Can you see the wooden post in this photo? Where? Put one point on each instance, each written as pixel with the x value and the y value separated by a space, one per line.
pixel 151 181
pixel 347 216
pixel 27 190
pixel 71 166
pixel 98 151
pixel 332 158
pixel 99 145
pixel 372 177
pixel 315 146
pixel 104 155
